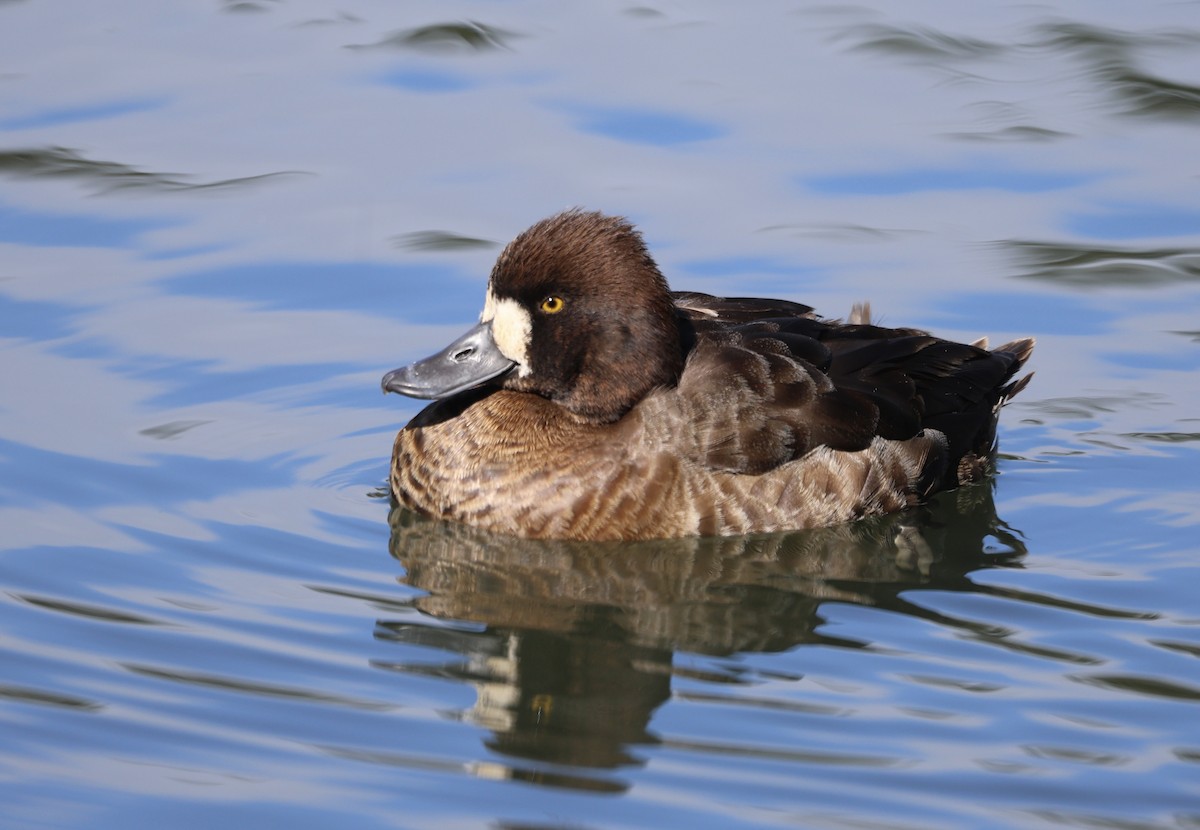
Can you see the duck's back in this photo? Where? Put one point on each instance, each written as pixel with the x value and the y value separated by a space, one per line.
pixel 767 382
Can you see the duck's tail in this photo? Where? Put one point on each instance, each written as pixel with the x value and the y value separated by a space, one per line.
pixel 976 458
pixel 1019 350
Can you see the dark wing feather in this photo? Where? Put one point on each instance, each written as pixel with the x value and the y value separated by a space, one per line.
pixel 767 382
pixel 695 305
pixel 756 400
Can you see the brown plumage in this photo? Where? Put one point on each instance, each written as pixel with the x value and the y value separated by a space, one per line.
pixel 593 403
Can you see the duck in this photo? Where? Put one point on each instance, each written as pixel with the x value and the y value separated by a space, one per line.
pixel 593 403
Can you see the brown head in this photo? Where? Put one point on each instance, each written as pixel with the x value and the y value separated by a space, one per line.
pixel 577 312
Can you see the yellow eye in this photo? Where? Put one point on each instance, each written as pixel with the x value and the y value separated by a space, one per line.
pixel 552 305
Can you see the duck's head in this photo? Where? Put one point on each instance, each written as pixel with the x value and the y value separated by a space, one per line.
pixel 576 311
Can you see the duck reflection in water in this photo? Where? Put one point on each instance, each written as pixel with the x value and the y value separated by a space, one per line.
pixel 572 643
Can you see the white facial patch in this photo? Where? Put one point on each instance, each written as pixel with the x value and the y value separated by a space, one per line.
pixel 511 329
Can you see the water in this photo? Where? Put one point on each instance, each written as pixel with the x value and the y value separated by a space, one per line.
pixel 220 223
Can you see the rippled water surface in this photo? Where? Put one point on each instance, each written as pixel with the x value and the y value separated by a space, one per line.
pixel 221 222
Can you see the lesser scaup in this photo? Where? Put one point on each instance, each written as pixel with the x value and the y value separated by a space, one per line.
pixel 592 402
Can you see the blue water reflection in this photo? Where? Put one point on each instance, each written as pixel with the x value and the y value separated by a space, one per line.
pixel 84 112
pixel 643 126
pixel 1048 313
pixel 31 477
pixel 28 227
pixel 185 386
pixel 1136 221
pixel 35 319
pixel 420 79
pixel 975 176
pixel 1182 362
pixel 750 265
pixel 359 286
pixel 186 252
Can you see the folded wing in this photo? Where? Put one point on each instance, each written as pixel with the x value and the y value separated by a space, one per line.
pixel 767 382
